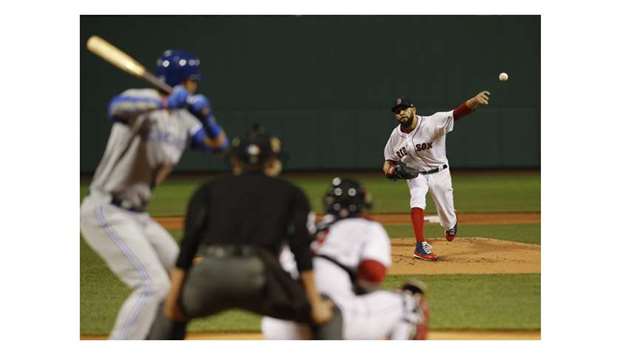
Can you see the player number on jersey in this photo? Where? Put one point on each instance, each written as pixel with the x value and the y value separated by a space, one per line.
pixel 401 152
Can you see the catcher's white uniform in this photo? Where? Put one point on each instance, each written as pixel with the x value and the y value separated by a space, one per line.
pixel 339 252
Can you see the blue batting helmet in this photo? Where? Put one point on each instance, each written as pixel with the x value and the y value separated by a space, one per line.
pixel 176 66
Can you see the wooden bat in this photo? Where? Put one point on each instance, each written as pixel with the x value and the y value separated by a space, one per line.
pixel 121 60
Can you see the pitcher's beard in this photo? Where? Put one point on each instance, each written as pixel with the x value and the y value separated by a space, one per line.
pixel 407 124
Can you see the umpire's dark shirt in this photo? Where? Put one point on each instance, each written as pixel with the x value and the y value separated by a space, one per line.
pixel 248 209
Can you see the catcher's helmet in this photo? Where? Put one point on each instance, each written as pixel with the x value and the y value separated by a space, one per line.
pixel 346 198
pixel 256 147
pixel 175 66
pixel 401 103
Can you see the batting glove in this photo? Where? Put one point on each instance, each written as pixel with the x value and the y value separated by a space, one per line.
pixel 177 99
pixel 199 105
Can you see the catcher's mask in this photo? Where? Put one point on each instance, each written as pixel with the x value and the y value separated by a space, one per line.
pixel 346 198
pixel 256 147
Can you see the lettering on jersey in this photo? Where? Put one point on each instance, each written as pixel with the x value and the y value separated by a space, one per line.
pixel 423 146
pixel 401 152
pixel 166 137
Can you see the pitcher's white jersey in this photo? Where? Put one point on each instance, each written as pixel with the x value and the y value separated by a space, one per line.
pixel 424 148
pixel 140 146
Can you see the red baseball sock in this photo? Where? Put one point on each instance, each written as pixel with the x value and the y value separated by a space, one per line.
pixel 417 220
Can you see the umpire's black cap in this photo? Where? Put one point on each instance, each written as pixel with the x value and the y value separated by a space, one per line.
pixel 256 146
pixel 401 103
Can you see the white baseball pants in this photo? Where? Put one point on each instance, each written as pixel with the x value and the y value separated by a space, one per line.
pixel 374 316
pixel 440 186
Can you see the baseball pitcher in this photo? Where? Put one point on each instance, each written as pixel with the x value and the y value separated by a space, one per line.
pixel 416 152
pixel 150 131
pixel 352 255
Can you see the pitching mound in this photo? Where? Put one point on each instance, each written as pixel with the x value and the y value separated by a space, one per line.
pixel 467 256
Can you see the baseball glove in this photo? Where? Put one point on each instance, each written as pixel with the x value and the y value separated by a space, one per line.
pixel 403 172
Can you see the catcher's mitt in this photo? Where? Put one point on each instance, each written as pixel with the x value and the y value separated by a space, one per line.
pixel 403 172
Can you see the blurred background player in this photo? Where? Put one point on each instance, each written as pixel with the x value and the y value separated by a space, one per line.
pixel 352 256
pixel 237 225
pixel 149 133
pixel 419 142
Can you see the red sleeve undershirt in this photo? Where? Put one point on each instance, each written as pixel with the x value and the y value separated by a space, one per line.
pixel 461 111
pixel 371 270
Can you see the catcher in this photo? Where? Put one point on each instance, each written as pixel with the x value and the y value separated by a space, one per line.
pixel 416 152
pixel 352 255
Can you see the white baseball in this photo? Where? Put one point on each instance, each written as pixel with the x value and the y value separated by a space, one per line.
pixel 503 76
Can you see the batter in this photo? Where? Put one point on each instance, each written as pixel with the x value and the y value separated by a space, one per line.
pixel 352 255
pixel 150 131
pixel 419 143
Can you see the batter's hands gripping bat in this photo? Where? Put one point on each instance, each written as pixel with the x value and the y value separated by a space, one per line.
pixel 121 60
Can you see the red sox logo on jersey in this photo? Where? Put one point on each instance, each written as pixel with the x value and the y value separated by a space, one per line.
pixel 401 152
pixel 418 147
pixel 423 146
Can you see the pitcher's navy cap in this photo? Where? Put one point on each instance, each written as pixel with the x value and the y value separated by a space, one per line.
pixel 400 103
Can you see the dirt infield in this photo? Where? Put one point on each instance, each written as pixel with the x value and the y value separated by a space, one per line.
pixel 462 256
pixel 176 222
pixel 439 335
pixel 433 335
pixel 467 256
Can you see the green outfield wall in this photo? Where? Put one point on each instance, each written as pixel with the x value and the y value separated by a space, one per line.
pixel 325 84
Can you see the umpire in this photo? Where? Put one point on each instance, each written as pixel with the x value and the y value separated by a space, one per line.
pixel 234 231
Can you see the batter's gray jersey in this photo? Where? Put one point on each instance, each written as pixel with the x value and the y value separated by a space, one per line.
pixel 139 145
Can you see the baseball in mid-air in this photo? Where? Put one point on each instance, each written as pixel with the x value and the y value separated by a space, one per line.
pixel 503 76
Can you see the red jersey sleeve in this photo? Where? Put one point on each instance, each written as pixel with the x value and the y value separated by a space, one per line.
pixel 461 111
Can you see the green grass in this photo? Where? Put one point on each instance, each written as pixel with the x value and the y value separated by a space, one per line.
pixel 503 301
pixel 524 233
pixel 101 293
pixel 234 321
pixel 484 192
pixel 457 301
pixel 472 193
